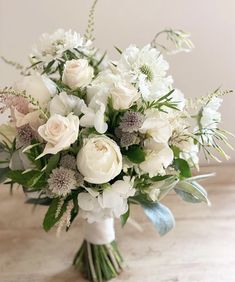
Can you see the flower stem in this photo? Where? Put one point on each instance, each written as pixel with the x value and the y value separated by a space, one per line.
pixel 99 263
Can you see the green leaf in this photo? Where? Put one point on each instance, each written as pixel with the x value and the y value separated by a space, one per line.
pixel 75 210
pixel 124 217
pixel 161 217
pixel 118 49
pixel 194 189
pixel 3 173
pixel 183 167
pixel 50 217
pixel 52 163
pixel 176 151
pixel 30 179
pixel 135 154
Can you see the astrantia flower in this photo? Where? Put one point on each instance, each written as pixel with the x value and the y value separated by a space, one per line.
pixel 129 139
pixel 131 121
pixel 62 181
pixel 68 161
pixel 25 134
pixel 147 69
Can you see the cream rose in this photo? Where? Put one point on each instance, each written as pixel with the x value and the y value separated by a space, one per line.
pixel 59 132
pixel 99 160
pixel 39 87
pixel 77 73
pixel 123 95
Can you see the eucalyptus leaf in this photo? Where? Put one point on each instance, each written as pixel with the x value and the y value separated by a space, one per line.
pixel 186 196
pixel 124 217
pixel 161 217
pixel 194 189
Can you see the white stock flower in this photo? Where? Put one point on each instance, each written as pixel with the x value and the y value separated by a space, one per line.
pixel 99 160
pixel 123 95
pixel 159 157
pixel 210 115
pixel 115 197
pixel 94 116
pixel 38 87
pixel 112 202
pixel 59 132
pixel 147 70
pixel 156 127
pixel 63 104
pixel 77 73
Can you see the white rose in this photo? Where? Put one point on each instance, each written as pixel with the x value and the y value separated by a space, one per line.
pixel 159 157
pixel 63 104
pixel 99 160
pixel 38 87
pixel 123 95
pixel 77 73
pixel 156 127
pixel 59 132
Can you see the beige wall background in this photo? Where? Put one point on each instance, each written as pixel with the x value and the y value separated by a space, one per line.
pixel 121 22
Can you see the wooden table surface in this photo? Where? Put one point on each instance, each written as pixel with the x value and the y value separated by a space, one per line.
pixel 200 249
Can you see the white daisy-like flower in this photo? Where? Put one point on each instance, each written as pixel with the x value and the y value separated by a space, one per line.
pixel 52 46
pixel 62 181
pixel 147 69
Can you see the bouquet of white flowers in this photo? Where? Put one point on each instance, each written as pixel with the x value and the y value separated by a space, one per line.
pixel 91 136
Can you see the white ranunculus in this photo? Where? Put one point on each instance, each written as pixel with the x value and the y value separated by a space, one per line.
pixel 63 104
pixel 159 156
pixel 59 132
pixel 99 160
pixel 123 95
pixel 156 127
pixel 37 87
pixel 77 73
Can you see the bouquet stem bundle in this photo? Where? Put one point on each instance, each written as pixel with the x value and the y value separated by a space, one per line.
pixel 99 263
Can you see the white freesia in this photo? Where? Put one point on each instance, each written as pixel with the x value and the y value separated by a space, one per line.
pixel 157 127
pixel 77 73
pixel 59 132
pixel 147 70
pixel 99 160
pixel 123 95
pixel 37 87
pixel 63 104
pixel 159 157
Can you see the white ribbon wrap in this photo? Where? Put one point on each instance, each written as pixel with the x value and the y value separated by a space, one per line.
pixel 99 233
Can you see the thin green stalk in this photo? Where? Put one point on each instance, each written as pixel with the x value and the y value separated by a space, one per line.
pixel 91 263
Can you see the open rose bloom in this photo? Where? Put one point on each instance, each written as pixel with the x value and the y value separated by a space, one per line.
pixel 90 136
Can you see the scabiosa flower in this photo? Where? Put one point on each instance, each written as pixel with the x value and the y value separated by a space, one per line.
pixel 25 134
pixel 62 181
pixel 68 161
pixel 131 121
pixel 129 139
